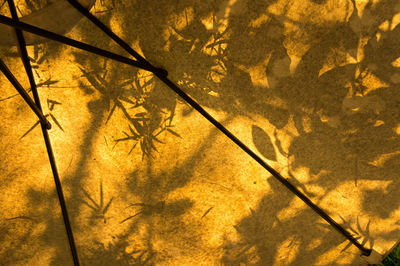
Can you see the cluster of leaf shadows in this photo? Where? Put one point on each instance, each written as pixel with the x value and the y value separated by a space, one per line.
pixel 39 60
pixel 147 121
pixel 343 125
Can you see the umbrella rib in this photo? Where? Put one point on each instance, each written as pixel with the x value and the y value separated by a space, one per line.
pixel 74 43
pixel 107 31
pixel 60 194
pixel 6 71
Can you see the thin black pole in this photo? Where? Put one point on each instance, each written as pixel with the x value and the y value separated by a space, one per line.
pixel 24 94
pixel 107 31
pixel 218 125
pixel 80 45
pixel 60 194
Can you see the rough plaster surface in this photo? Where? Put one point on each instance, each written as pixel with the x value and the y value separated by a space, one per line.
pixel 312 86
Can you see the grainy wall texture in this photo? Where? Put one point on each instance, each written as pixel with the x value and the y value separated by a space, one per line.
pixel 310 85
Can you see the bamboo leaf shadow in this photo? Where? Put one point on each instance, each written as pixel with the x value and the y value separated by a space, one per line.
pixel 358 233
pixel 263 143
pixel 100 209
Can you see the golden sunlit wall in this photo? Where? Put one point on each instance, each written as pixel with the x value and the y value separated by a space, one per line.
pixel 312 86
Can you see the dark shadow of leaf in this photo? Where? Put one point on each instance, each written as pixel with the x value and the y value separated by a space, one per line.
pixel 263 143
pixel 179 207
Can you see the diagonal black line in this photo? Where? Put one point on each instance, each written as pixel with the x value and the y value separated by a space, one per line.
pixel 80 45
pixel 6 71
pixel 56 121
pixel 90 198
pixel 90 206
pixel 28 69
pixel 105 209
pixel 163 77
pixel 29 130
pixel 107 31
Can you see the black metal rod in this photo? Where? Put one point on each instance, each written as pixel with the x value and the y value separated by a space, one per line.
pixel 60 194
pixel 6 71
pixel 107 31
pixel 218 125
pixel 80 45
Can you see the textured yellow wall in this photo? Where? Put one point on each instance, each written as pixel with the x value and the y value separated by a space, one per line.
pixel 312 86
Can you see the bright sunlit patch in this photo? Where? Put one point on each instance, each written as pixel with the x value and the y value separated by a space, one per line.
pixel 384 26
pixel 258 74
pixel 372 82
pixel 314 244
pixel 306 123
pixel 330 256
pixel 383 158
pixel 350 58
pixel 378 36
pixel 213 93
pixel 294 62
pixel 379 123
pixel 230 8
pixel 295 206
pixel 208 21
pixel 256 23
pixel 396 63
pixel 183 19
pixel 334 60
pixel 395 21
pixel 375 185
pixel 397 129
